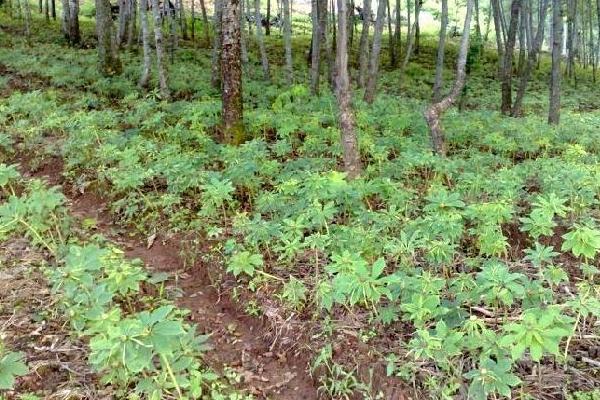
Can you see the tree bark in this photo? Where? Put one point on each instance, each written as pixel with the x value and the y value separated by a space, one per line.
pixel 374 61
pixel 363 47
pixel 439 65
pixel 435 110
pixel 352 163
pixel 268 21
pixel 287 40
pixel 398 32
pixel 108 59
pixel 46 10
pixel 418 4
pixel 182 20
pixel 411 36
pixel 160 53
pixel 557 27
pixel 132 28
pixel 571 22
pixel 53 9
pixel 231 66
pixel 205 24
pixel 506 82
pixel 261 43
pixel 217 45
pixel 147 64
pixel 392 48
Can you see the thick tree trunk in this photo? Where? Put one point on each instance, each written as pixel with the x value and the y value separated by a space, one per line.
pixel 217 45
pixel 231 66
pixel 439 65
pixel 533 51
pixel 434 112
pixel 315 68
pixel 363 47
pixel 557 27
pixel 352 164
pixel 261 43
pixel 160 53
pixel 287 40
pixel 374 61
pixel 108 59
pixel 506 82
pixel 147 65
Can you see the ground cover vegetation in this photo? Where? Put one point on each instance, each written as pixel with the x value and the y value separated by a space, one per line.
pixel 393 210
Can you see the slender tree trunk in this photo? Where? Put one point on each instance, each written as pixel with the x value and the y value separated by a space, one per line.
pixel 506 82
pixel 554 107
pixel 398 31
pixel 439 65
pixel 160 53
pixel 193 21
pixel 46 10
pixel 374 61
pixel 261 43
pixel 53 9
pixel 74 33
pixel 172 25
pixel 434 112
pixel 205 24
pixel 132 28
pixel 27 19
pixel 571 13
pixel 40 6
pixel 499 35
pixel 123 21
pixel 533 51
pixel 352 163
pixel 315 68
pixel 182 20
pixel 233 124
pixel 363 50
pixel 392 48
pixel 268 19
pixel 287 40
pixel 108 58
pixel 147 65
pixel 418 4
pixel 243 37
pixel 217 45
pixel 522 43
pixel 411 36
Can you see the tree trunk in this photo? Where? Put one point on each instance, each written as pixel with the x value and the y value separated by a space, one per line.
pixel 287 39
pixel 398 31
pixel 363 50
pixel 217 45
pixel 160 53
pixel 231 65
pixel 261 43
pixel 315 49
pixel 374 61
pixel 243 37
pixel 533 51
pixel 147 65
pixel 182 20
pixel 352 164
pixel 439 65
pixel 53 9
pixel 132 28
pixel 411 36
pixel 571 13
pixel 392 48
pixel 205 24
pixel 418 4
pixel 506 81
pixel 123 21
pixel 268 21
pixel 27 20
pixel 554 107
pixel 108 58
pixel 434 112
pixel 499 35
pixel 46 10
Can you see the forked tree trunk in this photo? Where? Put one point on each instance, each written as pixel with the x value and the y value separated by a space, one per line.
pixel 287 40
pixel 231 66
pixel 147 64
pixel 434 112
pixel 374 61
pixel 363 47
pixel 557 27
pixel 108 59
pixel 352 164
pixel 506 82
pixel 160 53
pixel 261 43
pixel 217 45
pixel 439 66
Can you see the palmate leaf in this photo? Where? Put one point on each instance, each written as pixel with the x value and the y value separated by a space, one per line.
pixel 12 365
pixel 491 377
pixel 582 241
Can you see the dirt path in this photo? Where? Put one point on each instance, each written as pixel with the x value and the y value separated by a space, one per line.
pixel 240 342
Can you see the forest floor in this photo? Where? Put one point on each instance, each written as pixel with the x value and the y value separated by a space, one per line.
pixel 407 283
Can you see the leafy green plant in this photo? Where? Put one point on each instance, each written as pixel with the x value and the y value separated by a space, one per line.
pixel 582 240
pixel 12 365
pixel 491 378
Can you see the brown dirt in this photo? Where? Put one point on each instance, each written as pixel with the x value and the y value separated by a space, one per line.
pixel 240 342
